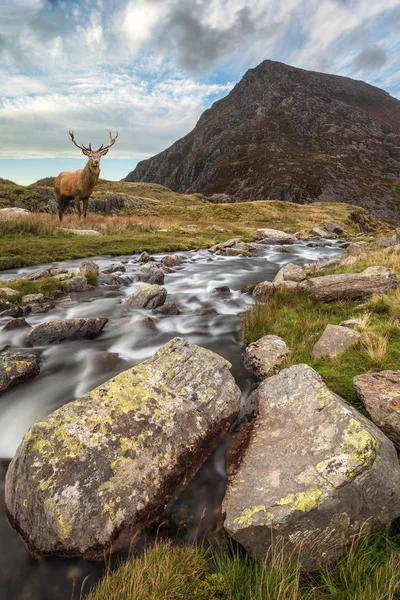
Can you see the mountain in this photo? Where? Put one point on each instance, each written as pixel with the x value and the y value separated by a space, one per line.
pixel 290 134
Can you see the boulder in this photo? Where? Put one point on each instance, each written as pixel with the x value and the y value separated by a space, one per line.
pixel 288 285
pixel 4 305
pixel 216 228
pixel 54 332
pixel 168 309
pixel 150 272
pixel 28 298
pixel 352 286
pixel 356 249
pixel 333 228
pixel 117 267
pixel 315 473
pixel 265 356
pixel 14 311
pixel 78 284
pixel 320 233
pixel 8 292
pixel 171 260
pixel 87 267
pixel 144 257
pixel 114 281
pixel 351 323
pixel 16 367
pixel 233 247
pixel 391 241
pixel 380 394
pixel 326 263
pixel 274 236
pixel 148 296
pixel 18 323
pixel 39 307
pixel 108 463
pixel 41 274
pixel 59 271
pixel 263 291
pixel 84 232
pixel 290 272
pixel 14 210
pixel 348 260
pixel 223 291
pixel 334 340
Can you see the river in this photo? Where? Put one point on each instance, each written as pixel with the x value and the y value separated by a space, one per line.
pixel 71 369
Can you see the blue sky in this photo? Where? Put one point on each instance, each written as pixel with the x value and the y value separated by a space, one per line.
pixel 150 67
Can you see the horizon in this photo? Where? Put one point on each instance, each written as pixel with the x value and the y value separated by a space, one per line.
pixel 149 69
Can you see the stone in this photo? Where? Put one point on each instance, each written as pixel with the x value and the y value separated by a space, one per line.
pixel 8 292
pixel 117 267
pixel 144 257
pixel 315 474
pixel 114 281
pixel 319 232
pixel 352 286
pixel 263 291
pixel 287 285
pixel 148 296
pixel 356 249
pixel 348 260
pixel 108 463
pixel 41 274
pixel 170 309
pixel 14 311
pixel 333 228
pixel 290 272
pixel 326 263
pixel 334 340
pixel 58 271
pixel 88 267
pixel 16 367
pixel 32 298
pixel 85 232
pixel 351 323
pixel 4 305
pixel 222 290
pixel 216 228
pixel 171 260
pixel 18 323
pixel 265 356
pixel 232 247
pixel 42 307
pixel 14 210
pixel 78 284
pixel 274 236
pixel 150 272
pixel 54 332
pixel 380 394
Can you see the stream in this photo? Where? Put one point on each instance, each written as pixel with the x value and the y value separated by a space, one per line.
pixel 71 369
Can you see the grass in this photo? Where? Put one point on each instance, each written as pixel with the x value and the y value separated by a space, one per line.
pixel 49 286
pixel 36 238
pixel 369 570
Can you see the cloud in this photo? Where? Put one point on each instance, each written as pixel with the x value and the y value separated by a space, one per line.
pixel 370 59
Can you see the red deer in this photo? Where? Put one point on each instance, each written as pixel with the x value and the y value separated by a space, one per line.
pixel 78 185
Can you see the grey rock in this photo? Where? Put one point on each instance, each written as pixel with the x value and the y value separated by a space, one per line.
pixel 78 284
pixel 118 267
pixel 14 311
pixel 107 464
pixel 57 271
pixel 41 274
pixel 266 355
pixel 352 286
pixel 14 210
pixel 18 323
pixel 232 247
pixel 273 236
pixel 334 340
pixel 356 249
pixel 16 367
pixel 315 473
pixel 290 272
pixel 114 281
pixel 333 228
pixel 29 298
pixel 7 292
pixel 380 394
pixel 351 323
pixel 54 332
pixel 263 291
pixel 148 296
pixel 150 272
pixel 42 307
pixel 84 232
pixel 88 267
pixel 349 260
pixel 4 305
pixel 171 260
pixel 223 291
pixel 170 309
pixel 144 257
pixel 319 232
pixel 326 263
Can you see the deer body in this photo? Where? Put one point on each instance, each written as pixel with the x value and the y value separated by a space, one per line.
pixel 78 185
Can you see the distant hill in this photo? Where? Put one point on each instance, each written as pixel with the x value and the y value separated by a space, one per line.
pixel 289 134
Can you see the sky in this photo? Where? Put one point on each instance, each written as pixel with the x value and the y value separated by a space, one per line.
pixel 148 68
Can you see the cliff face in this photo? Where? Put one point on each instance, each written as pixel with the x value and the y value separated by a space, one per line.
pixel 289 134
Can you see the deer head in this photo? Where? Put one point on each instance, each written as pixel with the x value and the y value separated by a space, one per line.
pixel 95 155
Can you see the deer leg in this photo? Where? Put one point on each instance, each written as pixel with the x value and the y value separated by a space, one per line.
pixel 85 207
pixel 78 205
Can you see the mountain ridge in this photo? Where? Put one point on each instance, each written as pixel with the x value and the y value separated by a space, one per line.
pixel 290 134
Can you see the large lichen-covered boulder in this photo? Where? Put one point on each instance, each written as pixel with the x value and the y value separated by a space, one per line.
pixel 16 367
pixel 148 296
pixel 263 291
pixel 380 394
pixel 352 286
pixel 54 332
pixel 314 474
pixel 109 462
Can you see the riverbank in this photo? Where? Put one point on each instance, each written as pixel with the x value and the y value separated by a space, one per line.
pixel 36 238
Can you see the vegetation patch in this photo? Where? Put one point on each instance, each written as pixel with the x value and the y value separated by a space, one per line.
pixel 48 286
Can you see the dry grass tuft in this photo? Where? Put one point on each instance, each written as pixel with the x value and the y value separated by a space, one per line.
pixel 375 346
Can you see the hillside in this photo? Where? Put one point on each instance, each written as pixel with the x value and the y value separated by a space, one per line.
pixel 289 134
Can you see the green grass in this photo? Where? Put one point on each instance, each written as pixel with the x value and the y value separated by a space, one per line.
pixel 49 286
pixel 369 570
pixel 300 321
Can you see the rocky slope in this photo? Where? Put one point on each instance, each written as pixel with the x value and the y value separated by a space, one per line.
pixel 290 134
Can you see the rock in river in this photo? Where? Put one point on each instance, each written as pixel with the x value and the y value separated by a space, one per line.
pixel 57 331
pixel 151 273
pixel 148 296
pixel 109 462
pixel 380 394
pixel 314 474
pixel 16 367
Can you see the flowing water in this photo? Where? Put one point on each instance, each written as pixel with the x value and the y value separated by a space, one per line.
pixel 70 369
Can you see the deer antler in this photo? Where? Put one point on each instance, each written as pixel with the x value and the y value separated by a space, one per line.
pixel 71 133
pixel 111 142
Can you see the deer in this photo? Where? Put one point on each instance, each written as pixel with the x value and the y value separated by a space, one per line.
pixel 78 185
